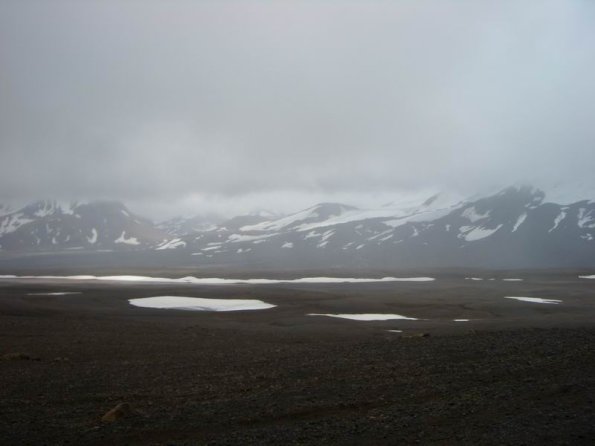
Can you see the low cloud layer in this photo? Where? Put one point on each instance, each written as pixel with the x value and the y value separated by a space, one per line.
pixel 244 102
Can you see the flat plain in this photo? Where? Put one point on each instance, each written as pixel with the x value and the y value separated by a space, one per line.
pixel 472 368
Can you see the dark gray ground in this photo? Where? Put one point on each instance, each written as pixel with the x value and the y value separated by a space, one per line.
pixel 517 373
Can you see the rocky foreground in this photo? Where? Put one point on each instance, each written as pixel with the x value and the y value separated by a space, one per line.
pixel 124 376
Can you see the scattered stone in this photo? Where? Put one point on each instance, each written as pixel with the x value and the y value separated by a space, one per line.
pixel 120 411
pixel 418 335
pixel 18 357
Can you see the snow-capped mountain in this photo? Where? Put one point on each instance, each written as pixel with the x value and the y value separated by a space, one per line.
pixel 50 225
pixel 180 226
pixel 517 227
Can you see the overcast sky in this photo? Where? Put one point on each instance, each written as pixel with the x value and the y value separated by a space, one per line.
pixel 231 105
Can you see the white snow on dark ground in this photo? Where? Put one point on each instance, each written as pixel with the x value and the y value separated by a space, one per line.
pixel 172 244
pixel 587 277
pixel 461 320
pixel 367 316
pixel 472 234
pixel 94 235
pixel 199 304
pixel 519 222
pixel 415 208
pixel 127 241
pixel 57 293
pixel 221 281
pixel 537 300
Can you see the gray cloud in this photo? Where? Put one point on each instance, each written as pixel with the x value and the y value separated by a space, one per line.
pixel 242 101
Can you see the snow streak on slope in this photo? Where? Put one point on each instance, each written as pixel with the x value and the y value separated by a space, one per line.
pixel 561 216
pixel 172 244
pixel 93 238
pixel 474 234
pixel 127 241
pixel 13 222
pixel 519 221
pixel 395 214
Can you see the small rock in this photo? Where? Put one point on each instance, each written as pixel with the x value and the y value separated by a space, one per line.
pixel 418 335
pixel 120 411
pixel 18 357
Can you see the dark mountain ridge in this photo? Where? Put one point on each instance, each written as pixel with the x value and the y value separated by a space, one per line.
pixel 514 228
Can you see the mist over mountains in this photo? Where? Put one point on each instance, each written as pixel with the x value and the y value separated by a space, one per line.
pixel 519 226
pixel 158 103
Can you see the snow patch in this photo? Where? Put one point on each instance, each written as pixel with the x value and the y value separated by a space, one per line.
pixel 367 316
pixel 221 281
pixel 199 304
pixel 172 244
pixel 93 238
pixel 537 300
pixel 561 216
pixel 519 222
pixel 57 293
pixel 237 238
pixel 472 215
pixel 290 220
pixel 327 235
pixel 474 234
pixel 212 248
pixel 126 241
pixel 380 234
pixel 13 222
pixel 584 218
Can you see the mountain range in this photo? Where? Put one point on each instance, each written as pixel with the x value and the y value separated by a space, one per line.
pixel 517 227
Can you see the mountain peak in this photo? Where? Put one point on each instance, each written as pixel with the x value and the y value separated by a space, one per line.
pixel 525 192
pixel 326 210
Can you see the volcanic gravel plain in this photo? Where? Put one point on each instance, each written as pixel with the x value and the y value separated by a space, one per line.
pixel 466 362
